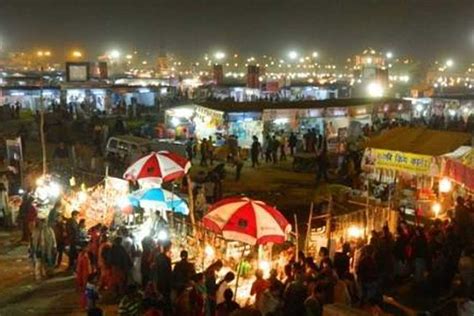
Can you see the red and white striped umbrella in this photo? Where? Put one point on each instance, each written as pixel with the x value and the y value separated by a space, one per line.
pixel 163 165
pixel 249 221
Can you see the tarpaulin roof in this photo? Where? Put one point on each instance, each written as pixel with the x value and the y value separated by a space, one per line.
pixel 459 166
pixel 419 141
pixel 258 106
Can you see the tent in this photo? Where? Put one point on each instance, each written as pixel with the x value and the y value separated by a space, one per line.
pixel 459 166
pixel 411 150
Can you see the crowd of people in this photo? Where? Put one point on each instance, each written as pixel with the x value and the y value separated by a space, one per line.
pixel 10 111
pixel 141 278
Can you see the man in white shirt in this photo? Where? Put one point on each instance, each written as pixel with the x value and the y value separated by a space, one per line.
pixel 224 285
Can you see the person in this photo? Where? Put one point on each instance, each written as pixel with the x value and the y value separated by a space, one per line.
pixel 323 254
pixel 271 302
pixel 342 261
pixel 103 262
pixel 233 145
pixel 323 164
pixel 148 255
pixel 210 148
pixel 255 151
pixel 420 254
pixel 5 214
pixel 295 294
pixel 182 273
pixel 273 281
pixel 84 269
pixel 258 287
pixel 223 285
pixel 131 302
pixel 119 126
pixel 82 236
pixel 189 148
pixel 238 168
pixel 162 280
pixel 72 230
pixel 204 152
pixel 463 220
pixel 292 141
pixel 42 249
pixel 314 304
pixel 211 286
pixel 31 217
pixel 60 234
pixel 91 293
pixel 283 143
pixel 367 274
pixel 61 152
pixel 120 265
pixel 268 149
pixel 275 146
pixel 197 295
pixel 54 214
pixel 22 212
pixel 228 305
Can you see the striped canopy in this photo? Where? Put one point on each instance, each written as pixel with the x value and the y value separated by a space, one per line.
pixel 249 221
pixel 159 198
pixel 163 165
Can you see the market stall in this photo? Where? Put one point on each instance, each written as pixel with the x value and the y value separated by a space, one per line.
pixel 403 165
pixel 459 167
pixel 251 223
pixel 193 121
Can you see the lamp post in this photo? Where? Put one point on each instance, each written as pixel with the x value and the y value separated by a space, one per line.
pixel 42 137
pixel 40 55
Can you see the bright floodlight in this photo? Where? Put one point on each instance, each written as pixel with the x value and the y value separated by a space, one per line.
pixel 114 54
pixel 449 62
pixel 315 54
pixel 293 54
pixel 76 54
pixel 375 89
pixel 219 55
pixel 389 55
pixel 162 235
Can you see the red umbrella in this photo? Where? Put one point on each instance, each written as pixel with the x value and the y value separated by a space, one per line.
pixel 249 221
pixel 163 165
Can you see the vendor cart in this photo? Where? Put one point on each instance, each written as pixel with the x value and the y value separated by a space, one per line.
pixel 305 162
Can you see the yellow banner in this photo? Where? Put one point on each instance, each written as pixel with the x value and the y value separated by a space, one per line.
pixel 401 161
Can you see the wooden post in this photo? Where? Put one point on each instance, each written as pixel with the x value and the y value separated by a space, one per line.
pixel 297 236
pixel 42 137
pixel 239 268
pixel 366 232
pixel 328 224
pixel 308 231
pixel 191 201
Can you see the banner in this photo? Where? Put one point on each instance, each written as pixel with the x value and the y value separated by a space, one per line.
pixel 459 172
pixel 400 161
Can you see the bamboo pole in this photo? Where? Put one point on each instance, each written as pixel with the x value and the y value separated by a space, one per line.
pixel 328 224
pixel 239 269
pixel 297 236
pixel 42 137
pixel 191 201
pixel 308 231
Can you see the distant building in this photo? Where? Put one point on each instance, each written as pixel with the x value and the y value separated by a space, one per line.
pixel 368 69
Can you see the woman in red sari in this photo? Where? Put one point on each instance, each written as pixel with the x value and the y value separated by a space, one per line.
pixel 84 269
pixel 120 264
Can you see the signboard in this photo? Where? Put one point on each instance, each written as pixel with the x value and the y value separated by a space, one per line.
pixel 77 72
pixel 14 152
pixel 400 161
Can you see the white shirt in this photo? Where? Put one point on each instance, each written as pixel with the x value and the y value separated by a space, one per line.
pixel 220 292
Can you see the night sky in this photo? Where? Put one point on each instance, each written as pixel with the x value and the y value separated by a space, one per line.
pixel 336 28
